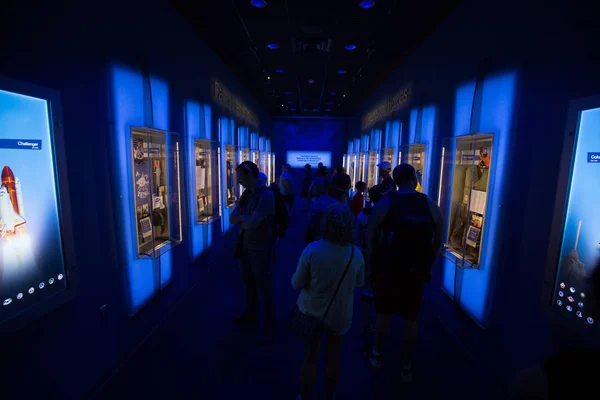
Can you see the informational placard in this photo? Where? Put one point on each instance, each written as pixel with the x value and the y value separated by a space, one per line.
pixel 298 159
pixel 32 264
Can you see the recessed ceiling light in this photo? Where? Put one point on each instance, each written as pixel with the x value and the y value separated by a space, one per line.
pixel 259 3
pixel 341 71
pixel 343 95
pixel 268 77
pixel 283 105
pixel 367 4
pixel 311 81
pixel 339 105
pixel 280 71
pixel 273 46
pixel 350 47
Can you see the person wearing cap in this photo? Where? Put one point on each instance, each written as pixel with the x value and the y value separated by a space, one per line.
pixel 254 214
pixel 385 173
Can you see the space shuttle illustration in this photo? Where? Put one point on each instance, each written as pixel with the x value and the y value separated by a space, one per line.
pixel 571 263
pixel 11 204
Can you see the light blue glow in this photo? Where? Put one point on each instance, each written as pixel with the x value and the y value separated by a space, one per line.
pixel 195 128
pixel 227 136
pixel 254 140
pixel 259 3
pixel 273 46
pixel 428 119
pixel 128 105
pixel 350 47
pixel 412 127
pixel 462 124
pixel 496 116
pixel 280 71
pixel 367 4
pixel 341 71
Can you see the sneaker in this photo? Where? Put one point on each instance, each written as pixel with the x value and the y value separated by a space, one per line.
pixel 374 360
pixel 245 319
pixel 407 372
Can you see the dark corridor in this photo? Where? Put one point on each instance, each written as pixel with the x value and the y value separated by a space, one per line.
pixel 196 352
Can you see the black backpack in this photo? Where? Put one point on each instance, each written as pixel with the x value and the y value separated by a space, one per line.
pixel 408 233
pixel 281 222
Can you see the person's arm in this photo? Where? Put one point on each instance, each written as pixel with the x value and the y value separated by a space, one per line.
pixel 301 277
pixel 288 185
pixel 236 216
pixel 264 208
pixel 438 219
pixel 378 214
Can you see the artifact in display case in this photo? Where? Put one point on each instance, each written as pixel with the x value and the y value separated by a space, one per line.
pixel 273 171
pixel 263 166
pixel 361 167
pixel 245 154
pixel 256 157
pixel 469 180
pixel 156 187
pixel 574 290
pixel 231 163
pixel 372 170
pixel 415 156
pixel 388 156
pixel 207 205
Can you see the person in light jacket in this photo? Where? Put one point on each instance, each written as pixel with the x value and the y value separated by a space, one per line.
pixel 320 269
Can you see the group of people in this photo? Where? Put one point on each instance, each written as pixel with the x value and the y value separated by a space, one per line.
pixel 389 246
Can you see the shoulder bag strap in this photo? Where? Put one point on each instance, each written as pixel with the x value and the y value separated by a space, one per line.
pixel 339 283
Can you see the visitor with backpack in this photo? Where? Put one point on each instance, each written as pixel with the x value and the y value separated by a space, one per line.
pixel 255 214
pixel 403 238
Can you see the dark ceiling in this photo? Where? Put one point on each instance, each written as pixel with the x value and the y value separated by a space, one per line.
pixel 312 72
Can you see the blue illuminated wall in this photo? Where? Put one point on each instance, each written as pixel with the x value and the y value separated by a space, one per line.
pixel 325 134
pixel 100 63
pixel 526 77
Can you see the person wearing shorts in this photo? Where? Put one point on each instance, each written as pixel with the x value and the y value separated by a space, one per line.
pixel 403 240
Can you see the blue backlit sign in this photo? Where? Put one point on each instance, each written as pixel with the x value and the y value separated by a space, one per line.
pixel 593 157
pixel 21 144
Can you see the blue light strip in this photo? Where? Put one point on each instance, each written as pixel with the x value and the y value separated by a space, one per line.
pixel 428 116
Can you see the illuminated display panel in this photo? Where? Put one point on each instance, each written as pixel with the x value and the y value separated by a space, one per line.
pixel 580 238
pixel 231 163
pixel 32 263
pixel 206 161
pixel 298 159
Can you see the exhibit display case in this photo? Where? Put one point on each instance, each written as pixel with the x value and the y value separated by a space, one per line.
pixel 245 155
pixel 388 156
pixel 372 170
pixel 465 181
pixel 231 162
pixel 414 154
pixel 273 170
pixel 37 265
pixel 256 157
pixel 155 177
pixel 574 251
pixel 206 157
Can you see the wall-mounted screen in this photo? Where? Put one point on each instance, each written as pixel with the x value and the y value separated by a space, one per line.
pixel 32 266
pixel 298 159
pixel 580 248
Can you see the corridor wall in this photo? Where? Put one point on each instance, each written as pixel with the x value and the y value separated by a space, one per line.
pixel 127 63
pixel 511 69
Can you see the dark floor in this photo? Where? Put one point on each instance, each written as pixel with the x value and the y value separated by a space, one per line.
pixel 197 353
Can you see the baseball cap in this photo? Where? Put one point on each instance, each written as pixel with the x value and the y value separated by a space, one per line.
pixel 385 165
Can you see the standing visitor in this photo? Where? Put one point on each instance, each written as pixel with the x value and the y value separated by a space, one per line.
pixel 358 201
pixel 385 174
pixel 306 183
pixel 254 214
pixel 286 186
pixel 328 272
pixel 403 238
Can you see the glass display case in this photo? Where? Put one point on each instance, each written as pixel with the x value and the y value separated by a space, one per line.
pixel 263 165
pixel 387 155
pixel 372 170
pixel 207 203
pixel 245 154
pixel 361 167
pixel 273 170
pixel 352 171
pixel 231 163
pixel 256 157
pixel 414 154
pixel 467 162
pixel 156 187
